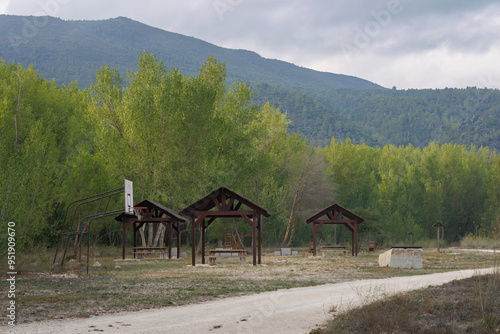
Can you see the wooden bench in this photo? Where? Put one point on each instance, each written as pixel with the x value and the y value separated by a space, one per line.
pixel 343 249
pixel 142 251
pixel 214 253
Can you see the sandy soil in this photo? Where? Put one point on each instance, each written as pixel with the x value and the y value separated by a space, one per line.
pixel 295 310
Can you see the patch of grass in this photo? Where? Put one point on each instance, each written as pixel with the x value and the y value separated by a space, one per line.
pixel 152 283
pixel 480 242
pixel 466 306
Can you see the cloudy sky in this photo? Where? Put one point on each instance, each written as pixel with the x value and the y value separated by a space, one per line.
pixel 402 43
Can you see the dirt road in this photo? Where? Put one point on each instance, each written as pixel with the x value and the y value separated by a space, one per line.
pixel 288 311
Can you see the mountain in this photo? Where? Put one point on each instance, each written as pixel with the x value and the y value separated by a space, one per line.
pixel 320 105
pixel 73 50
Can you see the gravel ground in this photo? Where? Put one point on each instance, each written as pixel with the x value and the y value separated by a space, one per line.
pixel 296 310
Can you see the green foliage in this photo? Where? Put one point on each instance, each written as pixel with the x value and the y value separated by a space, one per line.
pixel 41 130
pixel 408 189
pixel 179 137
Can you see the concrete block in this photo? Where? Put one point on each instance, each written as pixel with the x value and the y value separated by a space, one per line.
pixel 401 258
pixel 286 251
pixel 384 259
pixel 295 252
pixel 174 252
pixel 183 254
pixel 277 253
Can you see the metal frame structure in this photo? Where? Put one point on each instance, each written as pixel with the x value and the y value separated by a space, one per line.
pixel 335 214
pixel 92 218
pixel 68 231
pixel 225 203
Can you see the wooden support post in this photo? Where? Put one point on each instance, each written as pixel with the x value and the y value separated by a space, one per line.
pixel 254 241
pixel 260 239
pixel 178 240
pixel 203 241
pixel 438 237
pixel 356 240
pixel 169 240
pixel 352 242
pixel 438 225
pixel 135 237
pixel 193 241
pixel 314 239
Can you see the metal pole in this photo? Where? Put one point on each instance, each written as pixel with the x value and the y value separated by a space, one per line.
pixel 123 241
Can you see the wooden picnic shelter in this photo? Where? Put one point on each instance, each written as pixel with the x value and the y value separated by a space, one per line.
pixel 225 203
pixel 149 211
pixel 335 214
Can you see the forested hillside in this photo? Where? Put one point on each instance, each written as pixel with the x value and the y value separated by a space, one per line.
pixel 320 105
pixel 178 137
pixel 380 117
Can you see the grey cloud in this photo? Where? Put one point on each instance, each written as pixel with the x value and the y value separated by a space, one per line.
pixel 312 31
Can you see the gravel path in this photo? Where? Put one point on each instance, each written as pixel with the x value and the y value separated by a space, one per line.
pixel 296 310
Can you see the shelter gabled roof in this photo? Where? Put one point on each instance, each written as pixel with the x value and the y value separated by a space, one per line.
pixel 218 199
pixel 337 209
pixel 156 206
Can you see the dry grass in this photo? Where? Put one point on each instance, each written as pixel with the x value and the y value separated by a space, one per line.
pixel 480 242
pixel 133 285
pixel 463 306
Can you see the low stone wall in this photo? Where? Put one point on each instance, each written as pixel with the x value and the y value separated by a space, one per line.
pixel 401 258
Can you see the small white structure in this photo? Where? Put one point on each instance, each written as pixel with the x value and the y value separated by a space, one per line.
pixel 286 251
pixel 402 257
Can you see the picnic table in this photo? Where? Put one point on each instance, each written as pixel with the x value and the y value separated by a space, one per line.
pixel 141 251
pixel 334 248
pixel 214 253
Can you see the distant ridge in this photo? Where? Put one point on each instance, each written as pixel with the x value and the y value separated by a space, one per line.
pixel 72 51
pixel 320 105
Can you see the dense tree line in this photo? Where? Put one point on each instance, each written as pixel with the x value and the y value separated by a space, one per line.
pixel 408 189
pixel 180 137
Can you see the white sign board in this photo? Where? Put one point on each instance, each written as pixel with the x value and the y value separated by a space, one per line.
pixel 129 197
